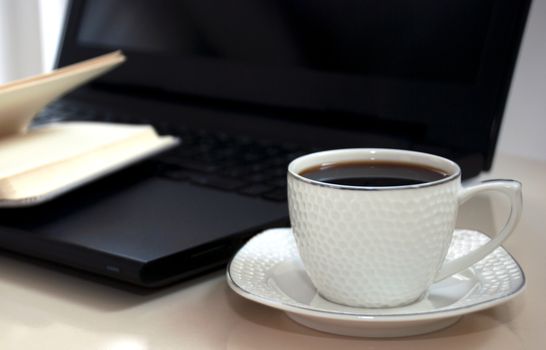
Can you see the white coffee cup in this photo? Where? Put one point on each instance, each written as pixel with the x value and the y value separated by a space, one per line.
pixel 383 246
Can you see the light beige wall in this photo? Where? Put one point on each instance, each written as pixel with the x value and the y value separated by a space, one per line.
pixel 52 16
pixel 20 44
pixel 523 131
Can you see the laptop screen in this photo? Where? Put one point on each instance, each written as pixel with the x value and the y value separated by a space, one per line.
pixel 393 39
pixel 436 71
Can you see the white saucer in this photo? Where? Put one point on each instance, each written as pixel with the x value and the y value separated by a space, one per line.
pixel 268 270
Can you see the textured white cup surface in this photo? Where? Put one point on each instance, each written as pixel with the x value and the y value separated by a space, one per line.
pixel 372 247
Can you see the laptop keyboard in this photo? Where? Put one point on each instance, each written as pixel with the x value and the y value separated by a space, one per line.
pixel 206 158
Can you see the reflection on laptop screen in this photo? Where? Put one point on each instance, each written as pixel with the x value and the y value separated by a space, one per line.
pixel 432 40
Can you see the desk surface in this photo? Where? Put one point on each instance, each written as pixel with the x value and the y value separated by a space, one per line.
pixel 44 308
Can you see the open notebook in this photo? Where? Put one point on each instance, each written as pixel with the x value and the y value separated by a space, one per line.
pixel 37 164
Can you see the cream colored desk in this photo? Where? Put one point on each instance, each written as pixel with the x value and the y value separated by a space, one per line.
pixel 41 308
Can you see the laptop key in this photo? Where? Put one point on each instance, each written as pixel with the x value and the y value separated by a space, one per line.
pixel 293 155
pixel 219 182
pixel 190 164
pixel 237 171
pixel 258 177
pixel 256 189
pixel 278 181
pixel 278 194
pixel 208 180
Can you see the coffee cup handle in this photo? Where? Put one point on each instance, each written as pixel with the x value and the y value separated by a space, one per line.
pixel 510 188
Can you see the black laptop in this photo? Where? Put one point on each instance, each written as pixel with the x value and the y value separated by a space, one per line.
pixel 248 85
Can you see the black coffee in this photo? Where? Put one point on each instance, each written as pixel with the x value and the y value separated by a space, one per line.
pixel 373 173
